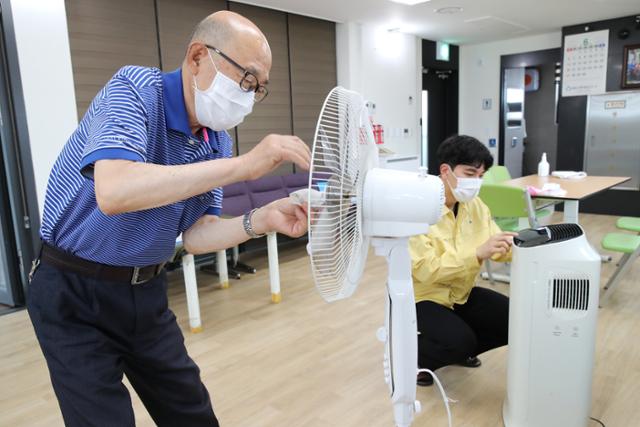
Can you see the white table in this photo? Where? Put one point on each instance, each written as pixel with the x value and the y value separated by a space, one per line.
pixel 577 189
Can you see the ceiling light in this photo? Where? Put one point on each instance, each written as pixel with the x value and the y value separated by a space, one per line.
pixel 442 51
pixel 410 2
pixel 449 10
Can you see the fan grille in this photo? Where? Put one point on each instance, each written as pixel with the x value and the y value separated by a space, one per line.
pixel 343 151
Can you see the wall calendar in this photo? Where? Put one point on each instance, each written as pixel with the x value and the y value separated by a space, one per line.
pixel 584 65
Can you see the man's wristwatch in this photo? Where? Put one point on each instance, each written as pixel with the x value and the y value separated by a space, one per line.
pixel 248 228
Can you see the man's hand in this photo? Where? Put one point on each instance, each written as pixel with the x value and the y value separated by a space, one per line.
pixel 497 244
pixel 281 216
pixel 210 233
pixel 272 151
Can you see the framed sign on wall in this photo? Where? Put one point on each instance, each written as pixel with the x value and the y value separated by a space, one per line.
pixel 631 67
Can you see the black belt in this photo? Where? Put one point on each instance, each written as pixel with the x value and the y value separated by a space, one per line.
pixel 83 267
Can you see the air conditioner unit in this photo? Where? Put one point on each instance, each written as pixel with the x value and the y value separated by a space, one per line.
pixel 552 326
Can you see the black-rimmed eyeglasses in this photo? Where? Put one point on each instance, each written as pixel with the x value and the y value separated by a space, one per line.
pixel 249 82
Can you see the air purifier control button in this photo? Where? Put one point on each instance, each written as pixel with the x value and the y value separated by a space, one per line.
pixel 532 237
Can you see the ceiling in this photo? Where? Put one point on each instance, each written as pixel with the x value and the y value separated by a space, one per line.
pixel 479 21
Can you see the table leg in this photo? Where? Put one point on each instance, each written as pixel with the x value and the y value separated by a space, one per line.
pixel 191 289
pixel 223 273
pixel 274 269
pixel 235 255
pixel 571 211
pixel 571 216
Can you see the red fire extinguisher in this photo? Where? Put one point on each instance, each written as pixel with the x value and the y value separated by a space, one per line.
pixel 378 134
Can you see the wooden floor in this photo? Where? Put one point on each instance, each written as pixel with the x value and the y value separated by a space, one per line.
pixel 305 363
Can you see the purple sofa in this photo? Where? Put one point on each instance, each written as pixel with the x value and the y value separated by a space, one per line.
pixel 241 197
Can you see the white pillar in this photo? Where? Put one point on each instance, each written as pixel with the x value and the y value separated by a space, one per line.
pixel 42 42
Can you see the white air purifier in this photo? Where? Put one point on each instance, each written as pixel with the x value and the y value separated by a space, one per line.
pixel 552 326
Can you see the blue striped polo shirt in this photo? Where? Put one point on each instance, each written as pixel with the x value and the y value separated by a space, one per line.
pixel 140 116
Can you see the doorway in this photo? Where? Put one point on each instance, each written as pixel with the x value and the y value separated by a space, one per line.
pixel 538 75
pixel 19 216
pixel 440 96
pixel 441 86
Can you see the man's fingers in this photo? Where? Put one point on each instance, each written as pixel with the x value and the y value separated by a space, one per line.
pixel 504 236
pixel 289 148
pixel 506 239
pixel 300 148
pixel 301 142
pixel 296 144
pixel 301 214
pixel 299 226
pixel 499 247
pixel 296 158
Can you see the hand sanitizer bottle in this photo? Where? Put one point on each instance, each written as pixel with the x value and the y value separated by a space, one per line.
pixel 543 166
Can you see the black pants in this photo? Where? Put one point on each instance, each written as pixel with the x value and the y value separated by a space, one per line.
pixel 450 336
pixel 92 332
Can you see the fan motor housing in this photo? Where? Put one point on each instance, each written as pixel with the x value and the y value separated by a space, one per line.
pixel 400 203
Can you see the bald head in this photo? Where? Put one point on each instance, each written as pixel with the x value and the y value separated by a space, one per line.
pixel 229 31
pixel 240 49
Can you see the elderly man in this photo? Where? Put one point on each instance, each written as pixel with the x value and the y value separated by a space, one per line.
pixel 145 164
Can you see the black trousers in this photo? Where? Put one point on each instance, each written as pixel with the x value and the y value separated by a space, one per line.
pixel 450 336
pixel 92 332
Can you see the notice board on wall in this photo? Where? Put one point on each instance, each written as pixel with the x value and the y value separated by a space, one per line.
pixel 584 64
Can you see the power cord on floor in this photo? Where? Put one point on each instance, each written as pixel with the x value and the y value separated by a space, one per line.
pixel 445 398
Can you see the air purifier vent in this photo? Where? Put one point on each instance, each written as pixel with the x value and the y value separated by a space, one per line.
pixel 569 294
pixel 561 232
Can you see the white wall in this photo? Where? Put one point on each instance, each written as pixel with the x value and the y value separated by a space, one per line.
pixel 386 68
pixel 480 78
pixel 44 59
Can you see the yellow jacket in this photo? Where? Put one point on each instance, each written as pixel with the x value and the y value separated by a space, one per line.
pixel 444 262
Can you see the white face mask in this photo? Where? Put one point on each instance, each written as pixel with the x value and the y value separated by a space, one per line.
pixel 224 104
pixel 467 188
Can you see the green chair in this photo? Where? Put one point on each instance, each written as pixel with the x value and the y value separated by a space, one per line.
pixel 496 174
pixel 629 223
pixel 499 174
pixel 629 246
pixel 508 205
pixel 512 210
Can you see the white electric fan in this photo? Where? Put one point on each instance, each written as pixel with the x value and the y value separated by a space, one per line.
pixel 352 202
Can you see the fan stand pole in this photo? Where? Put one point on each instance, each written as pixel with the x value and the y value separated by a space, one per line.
pixel 401 342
